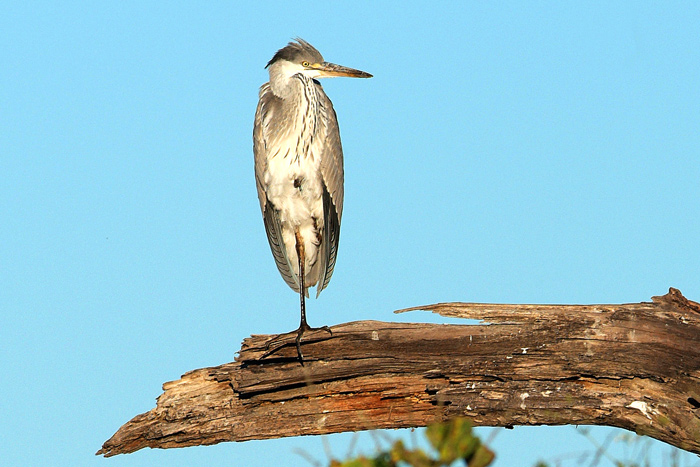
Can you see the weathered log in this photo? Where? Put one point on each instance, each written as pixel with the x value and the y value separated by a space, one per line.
pixel 634 366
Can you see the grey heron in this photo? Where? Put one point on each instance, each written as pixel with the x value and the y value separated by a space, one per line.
pixel 299 170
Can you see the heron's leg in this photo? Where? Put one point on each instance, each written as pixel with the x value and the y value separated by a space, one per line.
pixel 303 325
pixel 301 256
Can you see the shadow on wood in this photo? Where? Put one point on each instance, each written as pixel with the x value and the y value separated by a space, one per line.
pixel 634 366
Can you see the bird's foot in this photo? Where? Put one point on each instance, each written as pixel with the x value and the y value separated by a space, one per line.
pixel 281 338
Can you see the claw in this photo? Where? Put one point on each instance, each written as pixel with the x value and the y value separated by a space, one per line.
pixel 297 341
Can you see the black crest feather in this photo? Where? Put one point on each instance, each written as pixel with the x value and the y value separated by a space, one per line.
pixel 297 51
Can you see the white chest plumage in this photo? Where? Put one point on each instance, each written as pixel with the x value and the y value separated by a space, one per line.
pixel 292 179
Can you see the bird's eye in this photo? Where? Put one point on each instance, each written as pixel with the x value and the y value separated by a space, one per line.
pixel 304 63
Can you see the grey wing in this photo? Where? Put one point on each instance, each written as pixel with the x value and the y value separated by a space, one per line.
pixel 260 150
pixel 329 243
pixel 273 226
pixel 332 173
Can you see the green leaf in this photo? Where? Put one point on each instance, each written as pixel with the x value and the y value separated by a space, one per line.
pixel 481 458
pixel 453 440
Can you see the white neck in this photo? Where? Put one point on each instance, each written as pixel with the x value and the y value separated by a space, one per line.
pixel 281 78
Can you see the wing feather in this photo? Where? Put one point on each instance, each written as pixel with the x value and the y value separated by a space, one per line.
pixel 329 243
pixel 273 228
pixel 332 174
pixel 332 153
pixel 259 146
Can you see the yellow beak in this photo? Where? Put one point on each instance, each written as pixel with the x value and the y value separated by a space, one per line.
pixel 327 69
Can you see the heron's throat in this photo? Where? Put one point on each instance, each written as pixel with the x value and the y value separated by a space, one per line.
pixel 284 79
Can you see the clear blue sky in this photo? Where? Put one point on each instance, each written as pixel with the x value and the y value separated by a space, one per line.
pixel 503 152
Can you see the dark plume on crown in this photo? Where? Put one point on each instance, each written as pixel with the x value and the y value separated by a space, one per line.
pixel 297 51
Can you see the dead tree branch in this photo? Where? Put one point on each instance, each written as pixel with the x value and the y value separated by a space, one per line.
pixel 634 366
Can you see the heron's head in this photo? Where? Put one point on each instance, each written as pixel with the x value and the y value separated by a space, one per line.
pixel 300 57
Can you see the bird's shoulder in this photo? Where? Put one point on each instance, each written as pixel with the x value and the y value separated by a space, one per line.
pixel 268 102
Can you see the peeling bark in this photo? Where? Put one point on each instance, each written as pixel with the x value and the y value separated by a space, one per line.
pixel 633 366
